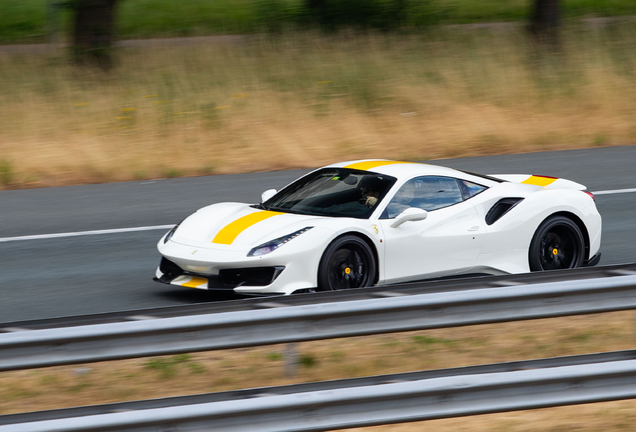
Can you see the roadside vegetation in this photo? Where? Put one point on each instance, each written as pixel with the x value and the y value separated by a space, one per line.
pixel 306 99
pixel 25 20
pixel 184 374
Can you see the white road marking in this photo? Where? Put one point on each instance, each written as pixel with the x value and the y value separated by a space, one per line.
pixel 85 233
pixel 165 227
pixel 614 191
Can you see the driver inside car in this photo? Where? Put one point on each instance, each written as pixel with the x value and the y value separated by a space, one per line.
pixel 370 196
pixel 370 191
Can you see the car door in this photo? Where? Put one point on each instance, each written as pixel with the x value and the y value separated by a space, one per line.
pixel 449 239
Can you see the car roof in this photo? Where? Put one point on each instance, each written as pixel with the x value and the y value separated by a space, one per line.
pixel 398 169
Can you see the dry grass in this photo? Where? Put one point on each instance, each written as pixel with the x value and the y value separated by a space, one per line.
pixel 352 357
pixel 307 100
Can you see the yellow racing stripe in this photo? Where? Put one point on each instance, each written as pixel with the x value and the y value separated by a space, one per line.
pixel 539 180
pixel 231 231
pixel 372 164
pixel 195 282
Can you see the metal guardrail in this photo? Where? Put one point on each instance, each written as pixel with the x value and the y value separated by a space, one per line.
pixel 49 347
pixel 233 395
pixel 248 304
pixel 359 403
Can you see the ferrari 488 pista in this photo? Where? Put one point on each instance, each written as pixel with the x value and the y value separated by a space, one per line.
pixel 374 222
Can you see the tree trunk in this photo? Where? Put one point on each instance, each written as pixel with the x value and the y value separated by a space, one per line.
pixel 93 32
pixel 315 4
pixel 545 21
pixel 316 10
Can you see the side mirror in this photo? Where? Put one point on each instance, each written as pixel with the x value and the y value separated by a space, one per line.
pixel 267 194
pixel 411 214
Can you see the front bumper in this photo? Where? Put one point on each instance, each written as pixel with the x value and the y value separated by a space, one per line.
pixel 227 279
pixel 286 270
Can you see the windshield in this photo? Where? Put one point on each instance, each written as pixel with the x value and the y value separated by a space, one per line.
pixel 336 192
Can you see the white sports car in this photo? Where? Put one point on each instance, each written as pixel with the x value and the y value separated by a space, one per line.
pixel 374 222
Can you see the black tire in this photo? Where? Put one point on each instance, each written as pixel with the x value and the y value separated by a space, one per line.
pixel 348 262
pixel 557 244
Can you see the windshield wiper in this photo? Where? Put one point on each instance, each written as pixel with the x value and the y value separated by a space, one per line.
pixel 259 206
pixel 286 210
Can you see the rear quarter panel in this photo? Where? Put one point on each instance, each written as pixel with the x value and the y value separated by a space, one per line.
pixel 508 240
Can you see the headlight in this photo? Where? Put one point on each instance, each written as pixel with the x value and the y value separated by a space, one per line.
pixel 171 233
pixel 272 245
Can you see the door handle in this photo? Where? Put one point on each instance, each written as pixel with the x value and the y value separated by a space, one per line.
pixel 475 228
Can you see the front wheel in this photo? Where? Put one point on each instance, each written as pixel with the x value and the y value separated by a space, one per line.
pixel 557 244
pixel 348 262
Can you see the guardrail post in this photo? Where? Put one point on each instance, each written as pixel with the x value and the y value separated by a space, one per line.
pixel 291 359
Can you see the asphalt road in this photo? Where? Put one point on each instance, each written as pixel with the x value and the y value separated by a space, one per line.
pixel 49 277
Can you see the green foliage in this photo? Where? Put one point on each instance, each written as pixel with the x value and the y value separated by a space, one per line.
pixel 181 358
pixel 172 173
pixel 196 368
pixel 274 356
pixel 49 380
pixel 338 356
pixel 430 341
pixel 76 388
pixel 22 20
pixel 168 367
pixel 601 140
pixel 164 366
pixel 140 175
pixel 6 172
pixel 25 20
pixel 16 391
pixel 307 360
pixel 334 15
pixel 583 337
pixel 274 15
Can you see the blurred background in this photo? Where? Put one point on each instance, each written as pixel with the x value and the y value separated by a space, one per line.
pixel 111 90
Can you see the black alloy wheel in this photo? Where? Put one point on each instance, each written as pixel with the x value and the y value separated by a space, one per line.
pixel 557 244
pixel 348 262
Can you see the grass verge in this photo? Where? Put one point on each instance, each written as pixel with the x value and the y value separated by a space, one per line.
pixel 67 386
pixel 303 100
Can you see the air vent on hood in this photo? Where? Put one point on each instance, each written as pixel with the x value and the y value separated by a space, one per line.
pixel 500 208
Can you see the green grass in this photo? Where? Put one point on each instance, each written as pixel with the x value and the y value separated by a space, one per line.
pixel 168 367
pixel 22 20
pixel 25 20
pixel 6 172
pixel 469 11
pixel 148 18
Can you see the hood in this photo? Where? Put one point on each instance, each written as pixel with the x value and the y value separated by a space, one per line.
pixel 233 226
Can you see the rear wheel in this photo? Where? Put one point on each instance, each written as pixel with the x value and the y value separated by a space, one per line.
pixel 557 244
pixel 348 262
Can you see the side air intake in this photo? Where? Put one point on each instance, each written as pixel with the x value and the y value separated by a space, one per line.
pixel 500 208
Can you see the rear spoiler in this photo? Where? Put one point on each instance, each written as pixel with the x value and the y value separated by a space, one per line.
pixel 537 180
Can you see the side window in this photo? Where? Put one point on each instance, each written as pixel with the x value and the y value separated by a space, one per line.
pixel 428 193
pixel 470 189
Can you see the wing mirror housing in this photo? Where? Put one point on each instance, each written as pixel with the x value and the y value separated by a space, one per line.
pixel 411 214
pixel 267 194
